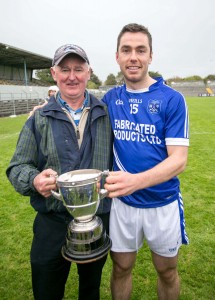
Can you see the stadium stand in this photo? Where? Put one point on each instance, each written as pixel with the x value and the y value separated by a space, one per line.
pixel 209 90
pixel 19 91
pixel 211 87
pixel 190 88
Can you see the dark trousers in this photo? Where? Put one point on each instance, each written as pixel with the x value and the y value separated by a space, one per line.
pixel 50 270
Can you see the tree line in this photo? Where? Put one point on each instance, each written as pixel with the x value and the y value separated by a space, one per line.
pixel 94 82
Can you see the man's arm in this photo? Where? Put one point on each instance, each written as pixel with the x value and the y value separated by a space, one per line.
pixel 124 183
pixel 36 107
pixel 23 172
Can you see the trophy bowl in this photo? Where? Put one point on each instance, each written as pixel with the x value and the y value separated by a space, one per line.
pixel 81 192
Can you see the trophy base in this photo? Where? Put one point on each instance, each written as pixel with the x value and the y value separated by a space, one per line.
pixel 86 241
pixel 87 258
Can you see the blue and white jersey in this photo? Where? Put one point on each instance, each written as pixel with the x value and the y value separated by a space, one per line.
pixel 144 122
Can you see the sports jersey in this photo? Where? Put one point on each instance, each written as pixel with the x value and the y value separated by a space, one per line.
pixel 144 122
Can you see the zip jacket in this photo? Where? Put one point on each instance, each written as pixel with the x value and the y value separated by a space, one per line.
pixel 50 139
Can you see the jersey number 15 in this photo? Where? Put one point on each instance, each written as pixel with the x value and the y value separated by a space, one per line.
pixel 133 109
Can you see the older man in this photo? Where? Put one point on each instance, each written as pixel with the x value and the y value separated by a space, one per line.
pixel 66 134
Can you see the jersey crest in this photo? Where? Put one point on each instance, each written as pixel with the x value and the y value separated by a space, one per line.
pixel 154 106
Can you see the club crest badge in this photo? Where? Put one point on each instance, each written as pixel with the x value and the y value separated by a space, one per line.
pixel 154 106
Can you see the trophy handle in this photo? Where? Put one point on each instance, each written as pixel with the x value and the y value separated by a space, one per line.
pixel 105 173
pixel 103 193
pixel 57 195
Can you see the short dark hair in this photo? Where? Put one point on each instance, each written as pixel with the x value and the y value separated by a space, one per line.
pixel 133 27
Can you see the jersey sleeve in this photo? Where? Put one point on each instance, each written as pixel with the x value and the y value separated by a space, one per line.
pixel 177 122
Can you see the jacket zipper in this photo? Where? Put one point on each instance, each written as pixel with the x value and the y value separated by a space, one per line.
pixel 72 121
pixel 77 133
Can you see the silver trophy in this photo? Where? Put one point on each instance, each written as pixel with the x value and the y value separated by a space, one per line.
pixel 81 192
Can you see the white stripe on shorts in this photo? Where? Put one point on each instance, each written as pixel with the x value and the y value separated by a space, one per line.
pixel 161 227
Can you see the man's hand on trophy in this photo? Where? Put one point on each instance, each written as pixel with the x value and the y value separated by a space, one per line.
pixel 120 183
pixel 45 182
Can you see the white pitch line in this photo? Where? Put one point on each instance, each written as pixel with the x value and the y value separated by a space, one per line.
pixel 202 132
pixel 7 136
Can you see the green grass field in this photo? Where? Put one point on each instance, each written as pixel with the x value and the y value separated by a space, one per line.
pixel 196 261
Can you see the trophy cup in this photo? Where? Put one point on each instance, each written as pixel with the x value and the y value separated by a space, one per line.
pixel 81 192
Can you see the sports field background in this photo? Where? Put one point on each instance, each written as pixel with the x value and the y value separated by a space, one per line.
pixel 196 261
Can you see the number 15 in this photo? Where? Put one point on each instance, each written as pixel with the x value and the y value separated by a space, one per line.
pixel 133 109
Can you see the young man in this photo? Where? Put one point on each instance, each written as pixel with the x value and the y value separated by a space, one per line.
pixel 64 135
pixel 150 124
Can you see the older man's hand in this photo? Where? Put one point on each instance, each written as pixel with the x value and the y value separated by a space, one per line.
pixel 45 182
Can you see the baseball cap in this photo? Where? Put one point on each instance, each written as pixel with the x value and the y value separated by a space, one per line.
pixel 63 51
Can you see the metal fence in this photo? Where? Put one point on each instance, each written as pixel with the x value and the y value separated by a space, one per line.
pixel 17 106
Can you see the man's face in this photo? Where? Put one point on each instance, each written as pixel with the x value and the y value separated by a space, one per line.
pixel 71 75
pixel 134 57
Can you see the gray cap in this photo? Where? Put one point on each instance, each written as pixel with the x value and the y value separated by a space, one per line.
pixel 63 51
